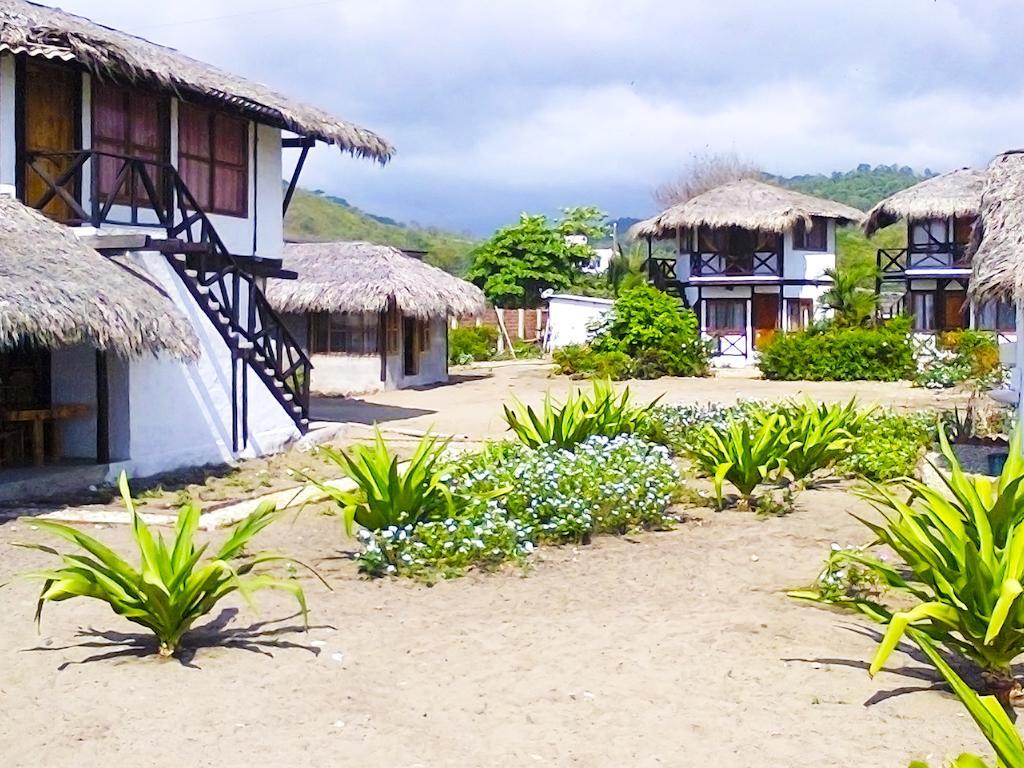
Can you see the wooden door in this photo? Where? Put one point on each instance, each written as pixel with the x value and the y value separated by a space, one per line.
pixel 954 305
pixel 52 103
pixel 764 313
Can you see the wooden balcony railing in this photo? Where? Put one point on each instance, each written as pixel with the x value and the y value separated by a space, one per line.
pixel 892 261
pixel 760 264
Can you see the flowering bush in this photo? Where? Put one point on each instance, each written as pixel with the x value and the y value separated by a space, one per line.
pixel 606 485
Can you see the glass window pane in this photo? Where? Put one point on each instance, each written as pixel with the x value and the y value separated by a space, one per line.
pixel 230 140
pixel 196 175
pixel 193 130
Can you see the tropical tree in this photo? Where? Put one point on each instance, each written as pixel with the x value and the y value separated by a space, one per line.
pixel 521 261
pixel 851 297
pixel 628 269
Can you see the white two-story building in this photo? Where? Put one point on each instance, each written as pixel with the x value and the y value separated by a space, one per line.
pixel 750 260
pixel 174 168
pixel 929 278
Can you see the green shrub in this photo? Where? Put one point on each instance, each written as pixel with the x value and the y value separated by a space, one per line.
pixel 986 711
pixel 656 332
pixel 580 360
pixel 962 562
pixel 833 353
pixel 174 586
pixel 961 356
pixel 386 495
pixel 471 344
pixel 746 456
pixel 581 416
pixel 889 445
pixel 817 436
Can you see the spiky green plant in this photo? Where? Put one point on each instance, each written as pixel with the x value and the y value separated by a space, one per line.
pixel 743 456
pixel 962 553
pixel 818 435
pixel 582 415
pixel 173 586
pixel 986 711
pixel 389 494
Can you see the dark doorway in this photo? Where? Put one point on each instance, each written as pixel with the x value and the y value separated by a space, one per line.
pixel 410 346
pixel 764 313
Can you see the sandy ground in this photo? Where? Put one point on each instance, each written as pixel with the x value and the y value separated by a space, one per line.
pixel 471 405
pixel 671 649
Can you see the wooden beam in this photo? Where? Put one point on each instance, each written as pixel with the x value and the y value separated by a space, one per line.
pixel 132 242
pixel 297 142
pixel 294 180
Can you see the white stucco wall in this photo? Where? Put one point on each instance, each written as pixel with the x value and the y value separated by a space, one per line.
pixel 181 412
pixel 570 318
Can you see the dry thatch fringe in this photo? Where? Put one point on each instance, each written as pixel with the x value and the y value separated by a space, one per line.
pixel 55 292
pixel 998 238
pixel 957 193
pixel 365 277
pixel 747 203
pixel 108 53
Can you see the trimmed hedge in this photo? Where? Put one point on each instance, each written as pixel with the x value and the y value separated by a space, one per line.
pixel 830 353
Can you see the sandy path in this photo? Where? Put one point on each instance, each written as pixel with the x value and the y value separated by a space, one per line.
pixel 675 649
pixel 472 405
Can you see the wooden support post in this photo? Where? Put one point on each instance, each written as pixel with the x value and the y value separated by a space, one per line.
pixel 102 408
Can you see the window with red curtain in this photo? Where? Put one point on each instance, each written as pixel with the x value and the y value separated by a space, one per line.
pixel 130 124
pixel 213 151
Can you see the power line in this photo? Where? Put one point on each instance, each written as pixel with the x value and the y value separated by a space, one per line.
pixel 257 12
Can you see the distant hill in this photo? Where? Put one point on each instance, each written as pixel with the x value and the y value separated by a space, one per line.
pixel 317 216
pixel 862 187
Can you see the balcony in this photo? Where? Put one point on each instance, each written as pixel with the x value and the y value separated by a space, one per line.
pixel 923 260
pixel 715 264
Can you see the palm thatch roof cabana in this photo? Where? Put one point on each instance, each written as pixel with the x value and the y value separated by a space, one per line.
pixel 55 292
pixel 50 33
pixel 998 240
pixel 747 203
pixel 957 193
pixel 365 277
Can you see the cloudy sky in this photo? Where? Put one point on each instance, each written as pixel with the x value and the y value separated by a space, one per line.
pixel 502 106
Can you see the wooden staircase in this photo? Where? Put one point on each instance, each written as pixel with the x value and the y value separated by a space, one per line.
pixel 225 286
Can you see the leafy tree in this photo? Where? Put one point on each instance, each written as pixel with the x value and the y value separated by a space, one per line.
pixel 851 297
pixel 521 261
pixel 628 269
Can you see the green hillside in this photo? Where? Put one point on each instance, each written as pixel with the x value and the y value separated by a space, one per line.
pixel 862 187
pixel 316 216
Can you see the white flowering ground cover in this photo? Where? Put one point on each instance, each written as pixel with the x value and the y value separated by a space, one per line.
pixel 605 485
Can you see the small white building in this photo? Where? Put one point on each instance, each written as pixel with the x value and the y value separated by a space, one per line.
pixel 571 318
pixel 750 260
pixel 371 317
pixel 929 279
pixel 173 168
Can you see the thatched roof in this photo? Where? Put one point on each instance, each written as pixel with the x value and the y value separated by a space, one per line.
pixel 998 241
pixel 747 203
pixel 364 277
pixel 55 292
pixel 51 33
pixel 957 193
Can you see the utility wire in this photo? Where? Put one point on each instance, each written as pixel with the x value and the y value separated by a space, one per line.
pixel 256 12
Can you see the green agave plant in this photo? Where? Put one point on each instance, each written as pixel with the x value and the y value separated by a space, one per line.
pixel 986 711
pixel 963 552
pixel 173 586
pixel 388 494
pixel 579 417
pixel 744 456
pixel 819 435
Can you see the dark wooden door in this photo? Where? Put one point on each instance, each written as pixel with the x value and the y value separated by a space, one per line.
pixel 764 313
pixel 410 346
pixel 954 305
pixel 51 112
